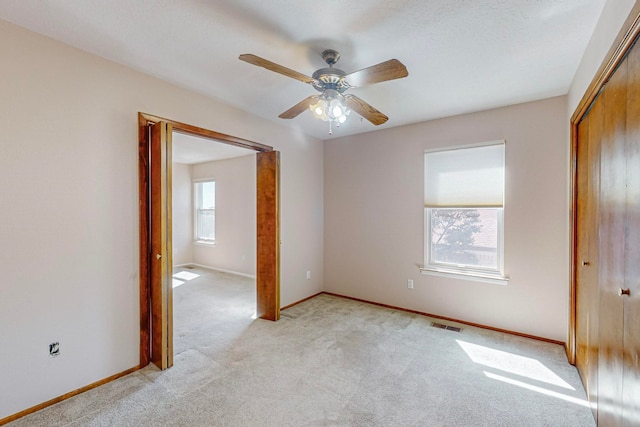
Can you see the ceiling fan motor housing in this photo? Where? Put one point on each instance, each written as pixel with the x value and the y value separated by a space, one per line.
pixel 330 78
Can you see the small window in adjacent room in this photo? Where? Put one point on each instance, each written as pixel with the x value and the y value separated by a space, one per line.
pixel 464 192
pixel 205 212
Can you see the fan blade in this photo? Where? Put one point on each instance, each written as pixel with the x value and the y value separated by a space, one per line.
pixel 388 70
pixel 261 62
pixel 299 107
pixel 365 110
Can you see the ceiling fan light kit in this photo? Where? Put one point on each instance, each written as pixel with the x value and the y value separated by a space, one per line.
pixel 331 105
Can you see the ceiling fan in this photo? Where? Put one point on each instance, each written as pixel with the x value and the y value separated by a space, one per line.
pixel 331 105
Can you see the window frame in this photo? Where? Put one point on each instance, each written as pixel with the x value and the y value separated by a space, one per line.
pixel 197 210
pixel 464 271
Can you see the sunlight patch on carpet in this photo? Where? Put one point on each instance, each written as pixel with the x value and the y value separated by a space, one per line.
pixel 186 275
pixel 541 390
pixel 512 363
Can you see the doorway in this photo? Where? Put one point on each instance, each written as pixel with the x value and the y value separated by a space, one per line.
pixel 155 231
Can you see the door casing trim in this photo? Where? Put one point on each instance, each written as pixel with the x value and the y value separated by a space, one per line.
pixel 144 120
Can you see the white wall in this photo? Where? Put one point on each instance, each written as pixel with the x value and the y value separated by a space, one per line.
pixel 69 188
pixel 613 16
pixel 182 214
pixel 235 247
pixel 374 219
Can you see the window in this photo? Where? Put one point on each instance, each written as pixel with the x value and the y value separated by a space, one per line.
pixel 464 192
pixel 205 211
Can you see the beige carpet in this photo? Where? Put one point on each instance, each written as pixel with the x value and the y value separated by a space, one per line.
pixel 329 362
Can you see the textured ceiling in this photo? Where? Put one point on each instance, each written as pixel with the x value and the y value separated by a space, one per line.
pixel 462 55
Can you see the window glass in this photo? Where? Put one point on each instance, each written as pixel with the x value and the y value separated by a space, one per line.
pixel 205 212
pixel 465 237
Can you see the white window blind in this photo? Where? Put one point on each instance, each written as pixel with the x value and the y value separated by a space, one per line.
pixel 468 177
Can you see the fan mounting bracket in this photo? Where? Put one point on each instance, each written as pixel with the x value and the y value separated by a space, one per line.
pixel 330 56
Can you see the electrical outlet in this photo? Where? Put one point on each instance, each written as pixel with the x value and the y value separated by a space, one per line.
pixel 308 274
pixel 410 284
pixel 54 349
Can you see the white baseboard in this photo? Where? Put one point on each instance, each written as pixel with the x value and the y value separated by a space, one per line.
pixel 222 270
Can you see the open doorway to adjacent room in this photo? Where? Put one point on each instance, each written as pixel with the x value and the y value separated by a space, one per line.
pixel 214 242
pixel 221 194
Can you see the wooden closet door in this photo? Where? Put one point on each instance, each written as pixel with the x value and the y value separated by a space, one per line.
pixel 612 249
pixel 587 298
pixel 631 364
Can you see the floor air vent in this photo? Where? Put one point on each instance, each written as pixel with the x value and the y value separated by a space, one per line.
pixel 448 328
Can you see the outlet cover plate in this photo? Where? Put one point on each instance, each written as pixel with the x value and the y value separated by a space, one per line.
pixel 54 349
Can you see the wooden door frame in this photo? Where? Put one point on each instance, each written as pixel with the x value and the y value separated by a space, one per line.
pixel 269 288
pixel 268 244
pixel 621 46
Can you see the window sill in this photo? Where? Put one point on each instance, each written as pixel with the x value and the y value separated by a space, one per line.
pixel 476 277
pixel 204 243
